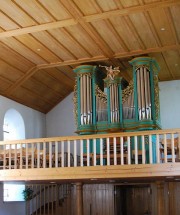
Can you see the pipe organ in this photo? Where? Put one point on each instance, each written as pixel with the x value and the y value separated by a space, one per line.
pixel 102 106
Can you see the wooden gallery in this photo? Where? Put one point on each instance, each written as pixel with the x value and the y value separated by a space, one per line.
pixel 89 107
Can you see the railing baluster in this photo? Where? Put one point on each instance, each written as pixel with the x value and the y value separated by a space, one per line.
pixel 50 154
pixel 20 156
pixel 32 156
pixel 115 151
pixel 87 146
pixel 122 150
pixel 15 156
pixel 62 154
pixel 129 150
pixel 27 156
pixel 178 146
pixel 44 154
pixel 150 149
pixel 75 153
pixel 81 153
pixel 108 152
pixel 38 155
pixel 4 157
pixel 143 150
pixel 56 154
pixel 10 156
pixel 136 150
pixel 172 148
pixel 165 148
pixel 94 152
pixel 69 153
pixel 157 148
pixel 101 152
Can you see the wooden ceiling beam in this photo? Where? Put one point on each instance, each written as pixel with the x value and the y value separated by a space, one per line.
pixel 130 10
pixel 33 70
pixel 146 51
pixel 89 18
pixel 20 81
pixel 37 28
pixel 72 62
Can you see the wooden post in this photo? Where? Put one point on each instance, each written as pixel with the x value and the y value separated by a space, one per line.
pixel 160 198
pixel 79 199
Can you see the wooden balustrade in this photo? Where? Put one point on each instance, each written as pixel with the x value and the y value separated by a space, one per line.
pixel 146 147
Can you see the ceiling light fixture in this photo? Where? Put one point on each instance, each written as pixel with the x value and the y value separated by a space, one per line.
pixel 38 50
pixel 163 29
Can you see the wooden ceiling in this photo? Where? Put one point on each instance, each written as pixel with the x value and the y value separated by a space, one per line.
pixel 41 41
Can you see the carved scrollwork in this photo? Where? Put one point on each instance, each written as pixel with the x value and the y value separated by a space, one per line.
pixel 75 101
pixel 128 91
pixel 101 95
pixel 156 97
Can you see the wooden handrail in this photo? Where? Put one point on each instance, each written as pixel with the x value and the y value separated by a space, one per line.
pixel 94 136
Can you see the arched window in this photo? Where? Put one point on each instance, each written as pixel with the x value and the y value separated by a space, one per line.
pixel 13 127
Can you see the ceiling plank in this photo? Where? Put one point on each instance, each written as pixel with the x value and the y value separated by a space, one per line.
pixel 153 30
pixel 171 24
pixel 127 11
pixel 118 37
pixel 134 32
pixel 76 13
pixel 88 18
pixel 167 65
pixel 20 81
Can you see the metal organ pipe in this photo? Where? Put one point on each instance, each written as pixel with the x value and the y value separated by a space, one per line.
pixel 86 99
pixel 139 94
pixel 114 103
pixel 81 97
pixel 143 92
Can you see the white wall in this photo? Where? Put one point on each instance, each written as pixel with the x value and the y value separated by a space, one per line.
pixel 170 104
pixel 11 208
pixel 34 127
pixel 60 120
pixel 34 121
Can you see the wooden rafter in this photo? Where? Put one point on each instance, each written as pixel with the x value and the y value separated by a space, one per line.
pixel 89 18
pixel 130 10
pixel 146 51
pixel 19 82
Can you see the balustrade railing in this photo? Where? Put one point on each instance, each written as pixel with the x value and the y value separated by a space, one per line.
pixel 127 148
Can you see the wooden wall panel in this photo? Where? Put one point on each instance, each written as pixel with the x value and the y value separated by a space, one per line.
pixel 98 199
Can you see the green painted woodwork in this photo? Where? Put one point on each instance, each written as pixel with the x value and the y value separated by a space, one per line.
pixel 98 79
